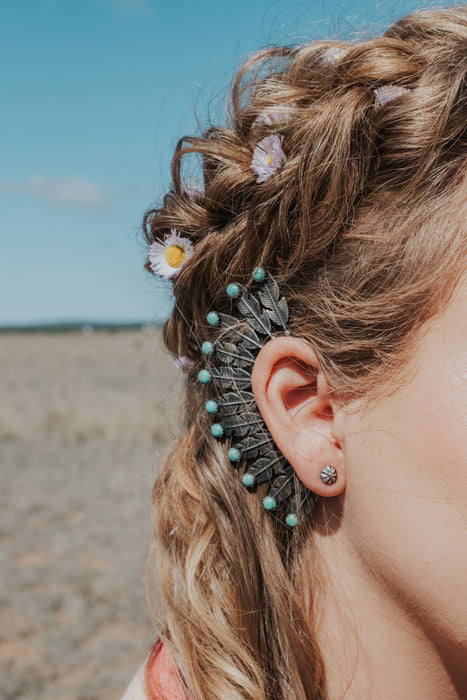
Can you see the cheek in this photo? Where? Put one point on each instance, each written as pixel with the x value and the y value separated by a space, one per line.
pixel 433 429
pixel 406 498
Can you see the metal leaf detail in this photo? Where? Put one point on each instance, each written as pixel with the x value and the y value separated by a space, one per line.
pixel 283 486
pixel 250 339
pixel 230 354
pixel 227 320
pixel 231 377
pixel 266 468
pixel 280 314
pixel 276 306
pixel 239 339
pixel 233 402
pixel 302 501
pixel 250 307
pixel 254 445
pixel 242 424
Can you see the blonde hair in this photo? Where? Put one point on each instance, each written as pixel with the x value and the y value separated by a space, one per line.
pixel 364 230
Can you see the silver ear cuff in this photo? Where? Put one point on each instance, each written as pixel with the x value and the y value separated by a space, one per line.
pixel 329 475
pixel 231 355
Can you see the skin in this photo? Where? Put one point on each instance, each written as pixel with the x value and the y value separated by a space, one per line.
pixel 392 531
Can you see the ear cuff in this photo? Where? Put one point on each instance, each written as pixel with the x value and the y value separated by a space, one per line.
pixel 230 359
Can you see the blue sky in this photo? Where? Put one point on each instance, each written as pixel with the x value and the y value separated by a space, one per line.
pixel 96 94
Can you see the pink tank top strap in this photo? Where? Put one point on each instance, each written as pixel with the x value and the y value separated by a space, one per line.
pixel 162 677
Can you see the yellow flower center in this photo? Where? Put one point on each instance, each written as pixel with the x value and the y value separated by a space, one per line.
pixel 175 256
pixel 270 159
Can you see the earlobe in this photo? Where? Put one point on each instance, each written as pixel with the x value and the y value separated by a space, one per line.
pixel 318 461
pixel 293 396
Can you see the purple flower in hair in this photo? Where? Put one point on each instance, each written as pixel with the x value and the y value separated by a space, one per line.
pixel 183 362
pixel 194 192
pixel 276 117
pixel 268 157
pixel 386 93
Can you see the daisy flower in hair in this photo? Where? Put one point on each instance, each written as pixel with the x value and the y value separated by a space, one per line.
pixel 334 54
pixel 167 257
pixel 268 157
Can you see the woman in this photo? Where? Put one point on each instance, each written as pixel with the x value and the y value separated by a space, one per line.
pixel 340 183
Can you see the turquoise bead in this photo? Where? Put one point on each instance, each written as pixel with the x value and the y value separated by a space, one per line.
pixel 234 454
pixel 217 430
pixel 213 318
pixel 204 376
pixel 233 290
pixel 291 520
pixel 269 503
pixel 248 480
pixel 259 274
pixel 206 348
pixel 211 406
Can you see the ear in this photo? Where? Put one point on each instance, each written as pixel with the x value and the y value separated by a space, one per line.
pixel 293 396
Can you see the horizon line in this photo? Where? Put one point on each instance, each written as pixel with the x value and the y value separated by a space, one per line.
pixel 84 325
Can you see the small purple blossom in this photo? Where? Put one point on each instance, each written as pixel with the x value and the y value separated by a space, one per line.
pixel 268 157
pixel 194 192
pixel 276 117
pixel 386 93
pixel 183 362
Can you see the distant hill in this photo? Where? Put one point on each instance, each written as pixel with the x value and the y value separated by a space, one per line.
pixel 78 327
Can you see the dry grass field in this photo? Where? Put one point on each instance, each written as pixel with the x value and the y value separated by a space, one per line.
pixel 84 419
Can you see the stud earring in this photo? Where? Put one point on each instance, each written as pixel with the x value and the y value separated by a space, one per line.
pixel 329 475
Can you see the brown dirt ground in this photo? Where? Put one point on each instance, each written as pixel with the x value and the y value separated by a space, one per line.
pixel 84 420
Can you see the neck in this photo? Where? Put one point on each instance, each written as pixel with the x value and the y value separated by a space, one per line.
pixel 371 646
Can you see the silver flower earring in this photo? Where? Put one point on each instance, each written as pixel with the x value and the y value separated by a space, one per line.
pixel 329 475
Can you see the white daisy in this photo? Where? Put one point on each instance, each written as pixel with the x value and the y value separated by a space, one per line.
pixel 386 93
pixel 167 257
pixel 334 54
pixel 268 157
